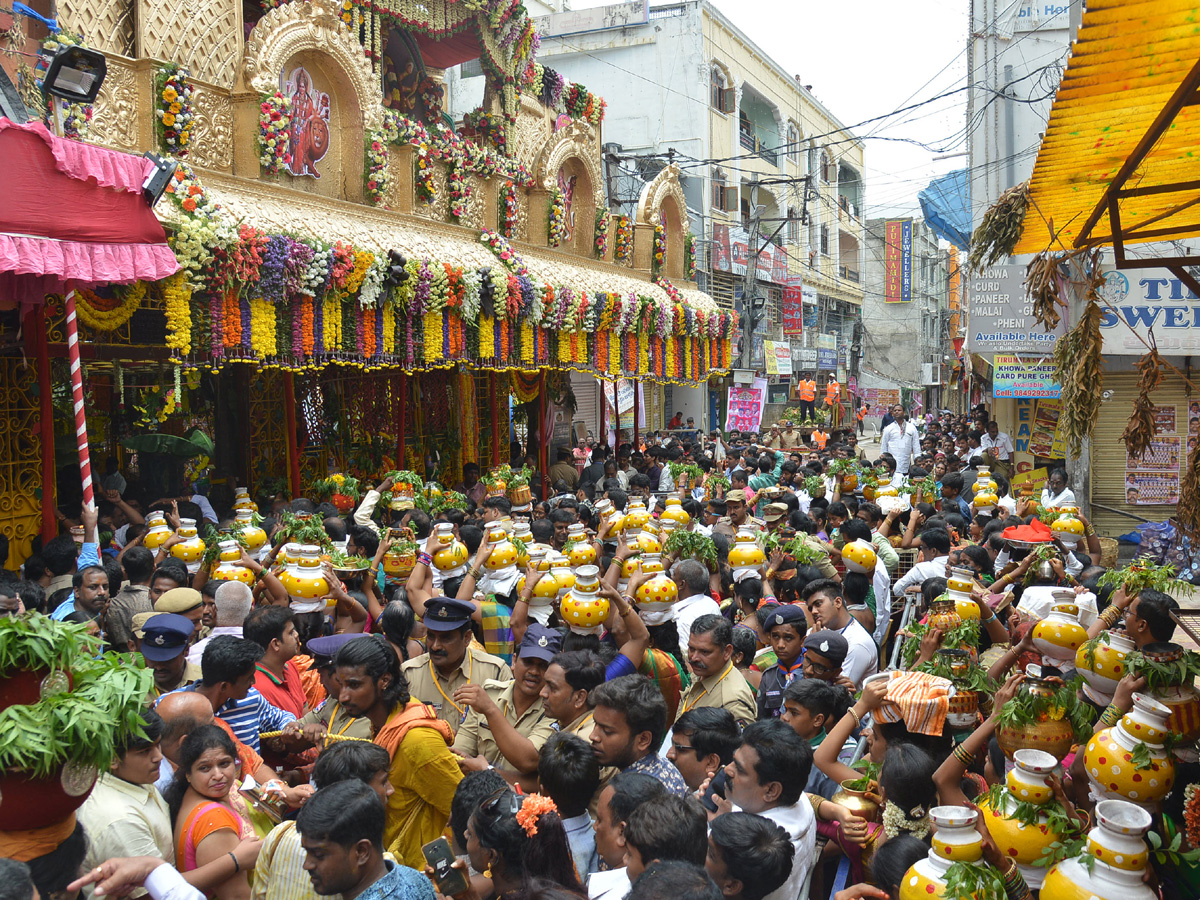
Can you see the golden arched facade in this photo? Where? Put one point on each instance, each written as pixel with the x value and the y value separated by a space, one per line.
pixel 311 27
pixel 572 151
pixel 662 203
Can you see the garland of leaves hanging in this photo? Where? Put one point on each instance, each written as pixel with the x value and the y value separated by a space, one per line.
pixel 1078 359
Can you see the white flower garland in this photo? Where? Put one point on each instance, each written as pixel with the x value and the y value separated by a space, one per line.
pixel 895 820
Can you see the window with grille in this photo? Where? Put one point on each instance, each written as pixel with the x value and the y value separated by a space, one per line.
pixel 793 139
pixel 824 240
pixel 826 167
pixel 793 225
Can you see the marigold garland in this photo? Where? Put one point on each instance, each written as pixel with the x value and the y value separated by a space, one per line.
pixel 175 113
pixel 109 314
pixel 603 220
pixel 660 248
pixel 623 252
pixel 177 295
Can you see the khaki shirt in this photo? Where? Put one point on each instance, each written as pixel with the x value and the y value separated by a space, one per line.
pixel 726 690
pixel 774 441
pixel 337 722
pixel 791 441
pixel 428 686
pixel 822 563
pixel 475 736
pixel 725 525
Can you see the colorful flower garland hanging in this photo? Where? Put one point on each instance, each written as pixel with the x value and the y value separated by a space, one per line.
pixel 555 92
pixel 509 213
pixel 603 221
pixel 376 170
pixel 689 256
pixel 432 95
pixel 623 252
pixel 500 246
pixel 274 124
pixel 426 189
pixel 556 224
pixel 109 313
pixel 175 113
pixel 486 127
pixel 660 249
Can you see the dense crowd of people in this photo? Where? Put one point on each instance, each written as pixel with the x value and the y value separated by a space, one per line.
pixel 420 734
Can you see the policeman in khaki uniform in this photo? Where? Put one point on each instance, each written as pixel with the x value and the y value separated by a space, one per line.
pixel 507 723
pixel 450 661
pixel 718 683
pixel 727 524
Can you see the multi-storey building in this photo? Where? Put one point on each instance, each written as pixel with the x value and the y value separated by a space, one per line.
pixel 751 141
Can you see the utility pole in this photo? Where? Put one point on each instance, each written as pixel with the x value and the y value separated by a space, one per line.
pixel 751 302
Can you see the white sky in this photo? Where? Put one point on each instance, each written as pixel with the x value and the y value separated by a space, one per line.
pixel 867 58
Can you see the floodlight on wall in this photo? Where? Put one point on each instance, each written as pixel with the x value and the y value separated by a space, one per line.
pixel 75 74
pixel 158 178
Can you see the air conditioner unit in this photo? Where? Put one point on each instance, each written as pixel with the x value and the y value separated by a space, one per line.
pixel 931 373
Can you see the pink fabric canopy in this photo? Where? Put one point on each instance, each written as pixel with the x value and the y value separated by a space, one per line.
pixel 72 214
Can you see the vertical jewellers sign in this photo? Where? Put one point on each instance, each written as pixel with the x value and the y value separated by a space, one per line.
pixel 1001 315
pixel 897 262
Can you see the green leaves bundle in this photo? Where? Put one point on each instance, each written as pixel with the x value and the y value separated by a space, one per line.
pixel 1161 675
pixel 1028 708
pixel 692 545
pixel 34 642
pixel 974 679
pixel 1140 576
pixel 977 880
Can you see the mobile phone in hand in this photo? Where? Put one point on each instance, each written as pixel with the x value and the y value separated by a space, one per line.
pixel 441 858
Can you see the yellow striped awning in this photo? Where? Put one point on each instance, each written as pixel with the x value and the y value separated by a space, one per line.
pixel 1125 117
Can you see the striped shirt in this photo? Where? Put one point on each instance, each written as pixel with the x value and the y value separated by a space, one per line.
pixel 250 715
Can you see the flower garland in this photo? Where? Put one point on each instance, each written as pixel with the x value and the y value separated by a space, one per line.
pixel 274 124
pixel 555 92
pixel 175 113
pixel 109 313
pixel 346 14
pixel 459 192
pixel 623 252
pixel 509 214
pixel 426 189
pixel 660 248
pixel 603 220
pixel 486 127
pixel 444 144
pixel 504 251
pixel 177 295
pixel 556 224
pixel 689 256
pixel 376 169
pixel 432 94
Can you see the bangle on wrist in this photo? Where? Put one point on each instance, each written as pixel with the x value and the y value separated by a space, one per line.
pixel 236 865
pixel 857 717
pixel 424 559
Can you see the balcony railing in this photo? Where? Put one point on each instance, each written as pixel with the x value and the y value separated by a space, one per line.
pixel 751 142
pixel 849 274
pixel 846 209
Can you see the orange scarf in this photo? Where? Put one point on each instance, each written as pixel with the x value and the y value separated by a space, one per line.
pixel 415 715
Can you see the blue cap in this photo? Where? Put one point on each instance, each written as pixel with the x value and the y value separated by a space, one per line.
pixel 447 614
pixel 324 649
pixel 165 636
pixel 540 642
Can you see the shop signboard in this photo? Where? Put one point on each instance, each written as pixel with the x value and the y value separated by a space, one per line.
pixel 1001 319
pixel 1023 376
pixel 1141 302
pixel 827 357
pixel 731 253
pixel 778 357
pixel 897 261
pixel 793 307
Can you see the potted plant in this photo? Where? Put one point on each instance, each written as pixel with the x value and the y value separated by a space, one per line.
pixel 36 654
pixel 692 545
pixel 518 486
pixel 339 489
pixel 846 472
pixel 686 475
pixel 52 750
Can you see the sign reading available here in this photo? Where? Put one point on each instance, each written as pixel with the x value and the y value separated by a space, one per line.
pixel 1023 376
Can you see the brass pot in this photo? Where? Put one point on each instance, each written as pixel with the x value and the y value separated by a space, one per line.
pixel 857 802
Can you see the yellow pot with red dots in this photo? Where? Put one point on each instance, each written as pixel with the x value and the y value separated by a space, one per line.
pixel 582 608
pixel 1108 759
pixel 504 551
pixel 659 591
pixel 302 577
pixel 675 512
pixel 191 548
pixel 636 515
pixel 229 566
pixel 646 542
pixel 745 553
pixel 1059 635
pixel 859 556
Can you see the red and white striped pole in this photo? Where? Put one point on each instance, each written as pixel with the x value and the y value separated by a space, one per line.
pixel 81 440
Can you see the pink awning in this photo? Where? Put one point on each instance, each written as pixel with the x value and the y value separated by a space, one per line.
pixel 73 214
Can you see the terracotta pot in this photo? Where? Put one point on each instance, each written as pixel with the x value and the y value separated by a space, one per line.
pixel 1181 699
pixel 343 502
pixel 857 802
pixel 27 803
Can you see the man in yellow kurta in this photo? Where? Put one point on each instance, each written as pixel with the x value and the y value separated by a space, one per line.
pixel 423 773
